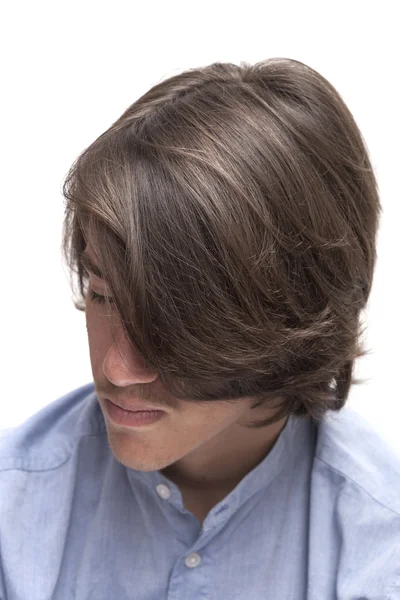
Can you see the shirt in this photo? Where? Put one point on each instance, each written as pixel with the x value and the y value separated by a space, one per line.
pixel 317 519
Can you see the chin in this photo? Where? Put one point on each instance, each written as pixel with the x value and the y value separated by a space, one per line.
pixel 133 454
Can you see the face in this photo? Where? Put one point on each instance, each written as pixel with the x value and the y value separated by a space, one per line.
pixel 120 374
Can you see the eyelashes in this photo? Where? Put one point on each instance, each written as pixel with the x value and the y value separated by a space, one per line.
pixel 98 298
pixel 94 296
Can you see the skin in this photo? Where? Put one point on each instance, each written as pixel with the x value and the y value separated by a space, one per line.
pixel 203 447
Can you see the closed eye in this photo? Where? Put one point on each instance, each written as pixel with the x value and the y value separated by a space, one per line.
pixel 94 297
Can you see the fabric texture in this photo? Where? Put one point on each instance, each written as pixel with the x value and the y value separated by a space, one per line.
pixel 317 519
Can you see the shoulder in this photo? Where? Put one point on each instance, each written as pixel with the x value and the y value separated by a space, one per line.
pixel 355 501
pixel 348 447
pixel 47 439
pixel 50 466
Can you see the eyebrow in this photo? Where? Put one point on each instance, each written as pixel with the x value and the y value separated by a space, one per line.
pixel 89 265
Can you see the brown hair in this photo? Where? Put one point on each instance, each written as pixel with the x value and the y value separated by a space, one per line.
pixel 234 212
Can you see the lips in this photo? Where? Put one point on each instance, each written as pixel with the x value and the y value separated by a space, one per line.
pixel 136 408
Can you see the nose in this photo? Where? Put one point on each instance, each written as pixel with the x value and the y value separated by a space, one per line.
pixel 123 366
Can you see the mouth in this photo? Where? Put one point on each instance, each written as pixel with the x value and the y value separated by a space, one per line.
pixel 132 418
pixel 136 407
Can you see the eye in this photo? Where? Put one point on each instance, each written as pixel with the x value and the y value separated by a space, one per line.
pixel 98 298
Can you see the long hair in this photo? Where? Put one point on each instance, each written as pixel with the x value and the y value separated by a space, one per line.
pixel 234 213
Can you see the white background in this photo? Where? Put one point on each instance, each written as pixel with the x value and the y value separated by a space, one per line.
pixel 69 69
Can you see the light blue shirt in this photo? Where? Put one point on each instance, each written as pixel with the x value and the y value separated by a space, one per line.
pixel 317 519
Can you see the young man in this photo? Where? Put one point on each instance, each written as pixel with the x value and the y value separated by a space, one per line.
pixel 223 235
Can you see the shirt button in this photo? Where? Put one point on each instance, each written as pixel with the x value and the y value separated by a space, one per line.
pixel 193 560
pixel 163 491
